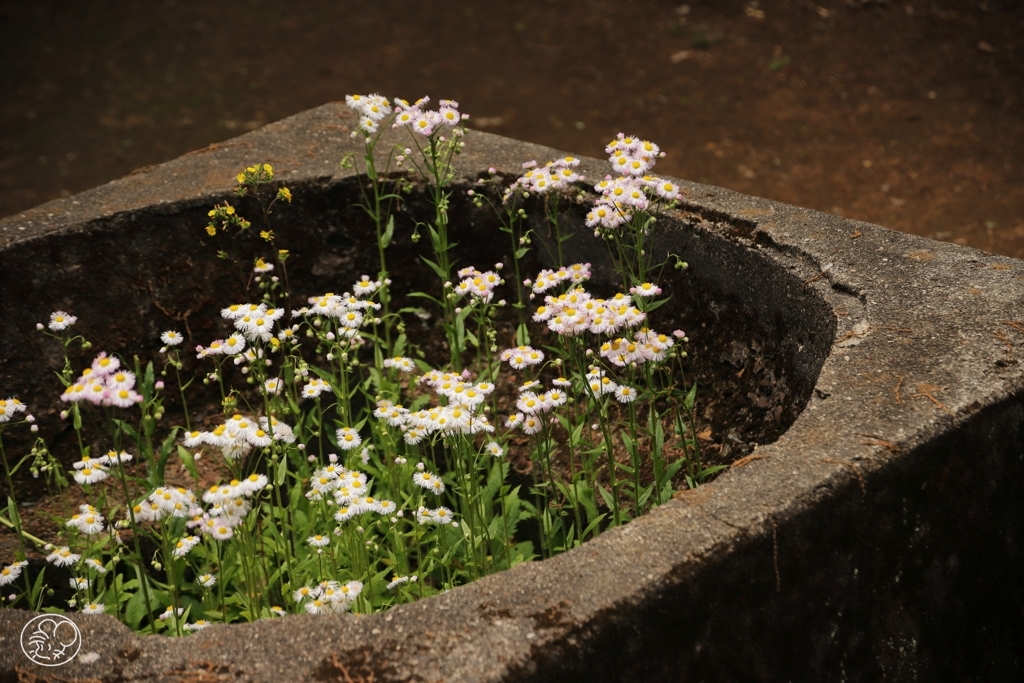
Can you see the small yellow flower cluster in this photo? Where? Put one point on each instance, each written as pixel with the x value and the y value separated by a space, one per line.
pixel 224 217
pixel 256 175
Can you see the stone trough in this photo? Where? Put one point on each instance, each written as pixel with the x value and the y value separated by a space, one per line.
pixel 869 528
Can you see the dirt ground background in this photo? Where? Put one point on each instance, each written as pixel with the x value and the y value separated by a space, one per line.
pixel 905 113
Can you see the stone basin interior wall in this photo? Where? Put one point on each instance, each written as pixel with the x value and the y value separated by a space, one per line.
pixel 759 336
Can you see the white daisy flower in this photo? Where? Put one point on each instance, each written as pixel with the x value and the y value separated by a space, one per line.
pixel 348 438
pixel 11 572
pixel 171 338
pixel 59 320
pixel 91 475
pixel 319 541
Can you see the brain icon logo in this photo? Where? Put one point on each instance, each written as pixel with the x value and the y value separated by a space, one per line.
pixel 50 640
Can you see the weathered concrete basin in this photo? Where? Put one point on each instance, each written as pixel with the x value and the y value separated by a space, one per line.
pixel 875 532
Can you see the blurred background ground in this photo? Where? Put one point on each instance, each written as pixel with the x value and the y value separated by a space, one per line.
pixel 906 113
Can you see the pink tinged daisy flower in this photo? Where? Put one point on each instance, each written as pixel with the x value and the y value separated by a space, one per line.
pixel 75 392
pixel 94 608
pixel 104 364
pixel 123 398
pixel 348 438
pixel 59 320
pixel 494 449
pixel 199 625
pixel 170 613
pixel 646 289
pixel 424 123
pixel 95 392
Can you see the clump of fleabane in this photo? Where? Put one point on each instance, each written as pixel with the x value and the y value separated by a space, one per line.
pixel 104 383
pixel 552 176
pixel 425 121
pixel 372 109
pixel 634 190
pixel 477 285
pixel 239 434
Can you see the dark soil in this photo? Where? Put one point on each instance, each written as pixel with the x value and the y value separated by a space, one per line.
pixel 906 113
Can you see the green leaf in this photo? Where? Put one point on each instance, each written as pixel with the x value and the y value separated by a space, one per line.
pixel 282 470
pixel 385 240
pixel 436 268
pixel 149 381
pixel 522 335
pixel 37 587
pixel 690 397
pixel 127 429
pixel 165 452
pixel 189 462
pixel 521 252
pixel 135 610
